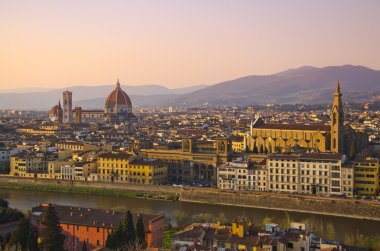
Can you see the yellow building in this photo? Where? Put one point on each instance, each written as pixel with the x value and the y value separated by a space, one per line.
pixel 147 171
pixel 238 144
pixel 76 146
pixel 366 179
pixel 335 137
pixel 123 167
pixel 195 162
pixel 27 164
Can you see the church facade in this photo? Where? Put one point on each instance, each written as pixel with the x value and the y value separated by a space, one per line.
pixel 117 109
pixel 335 137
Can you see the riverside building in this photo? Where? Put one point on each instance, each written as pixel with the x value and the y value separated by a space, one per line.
pixel 366 176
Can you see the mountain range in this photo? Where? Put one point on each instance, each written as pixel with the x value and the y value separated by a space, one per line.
pixel 304 85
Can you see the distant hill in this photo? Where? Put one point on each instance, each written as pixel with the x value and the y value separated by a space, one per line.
pixel 43 100
pixel 306 85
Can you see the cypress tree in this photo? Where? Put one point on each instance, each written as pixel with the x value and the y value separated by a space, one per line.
pixel 129 229
pixel 110 242
pixel 20 237
pixel 140 232
pixel 33 240
pixel 84 248
pixel 52 238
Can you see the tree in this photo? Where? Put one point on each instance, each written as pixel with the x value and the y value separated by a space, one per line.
pixel 4 203
pixel 52 238
pixel 140 232
pixel 267 220
pixel 21 236
pixel 84 247
pixel 129 229
pixel 110 243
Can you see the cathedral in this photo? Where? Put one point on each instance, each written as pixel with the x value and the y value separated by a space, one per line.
pixel 336 137
pixel 117 109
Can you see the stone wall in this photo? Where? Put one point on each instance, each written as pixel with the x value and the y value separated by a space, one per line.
pixel 289 202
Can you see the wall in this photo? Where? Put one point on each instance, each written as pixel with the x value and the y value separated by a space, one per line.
pixel 301 203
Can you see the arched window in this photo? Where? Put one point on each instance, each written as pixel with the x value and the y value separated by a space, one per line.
pixel 334 143
pixel 334 118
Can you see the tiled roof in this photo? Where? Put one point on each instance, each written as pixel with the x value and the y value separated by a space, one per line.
pixel 300 127
pixel 92 217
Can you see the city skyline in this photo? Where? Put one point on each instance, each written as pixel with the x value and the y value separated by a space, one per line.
pixel 61 44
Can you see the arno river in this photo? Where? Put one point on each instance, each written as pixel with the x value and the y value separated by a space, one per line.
pixel 344 227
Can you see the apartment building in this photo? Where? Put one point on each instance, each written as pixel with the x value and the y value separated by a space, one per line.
pixel 366 172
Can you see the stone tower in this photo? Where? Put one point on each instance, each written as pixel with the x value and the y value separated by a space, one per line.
pixel 67 107
pixel 337 118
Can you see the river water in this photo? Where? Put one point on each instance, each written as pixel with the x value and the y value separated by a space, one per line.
pixel 343 227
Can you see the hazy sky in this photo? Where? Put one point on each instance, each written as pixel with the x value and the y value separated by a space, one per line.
pixel 176 43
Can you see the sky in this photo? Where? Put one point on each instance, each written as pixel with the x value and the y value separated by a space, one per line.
pixel 178 43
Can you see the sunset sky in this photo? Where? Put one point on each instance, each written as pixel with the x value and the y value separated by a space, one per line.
pixel 179 43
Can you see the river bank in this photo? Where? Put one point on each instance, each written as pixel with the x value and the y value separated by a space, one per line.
pixel 349 208
pixel 87 190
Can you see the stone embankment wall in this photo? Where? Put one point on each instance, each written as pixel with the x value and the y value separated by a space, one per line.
pixel 170 190
pixel 289 202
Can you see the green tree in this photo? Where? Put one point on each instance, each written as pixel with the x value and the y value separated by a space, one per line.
pixel 84 247
pixel 52 238
pixel 21 237
pixel 4 203
pixel 33 240
pixel 110 243
pixel 267 220
pixel 140 232
pixel 129 229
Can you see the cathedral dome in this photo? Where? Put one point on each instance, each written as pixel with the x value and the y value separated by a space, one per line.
pixel 118 100
pixel 56 113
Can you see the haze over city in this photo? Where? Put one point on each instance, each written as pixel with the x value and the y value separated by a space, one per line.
pixel 58 44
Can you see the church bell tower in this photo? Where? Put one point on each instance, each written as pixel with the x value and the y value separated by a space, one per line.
pixel 337 117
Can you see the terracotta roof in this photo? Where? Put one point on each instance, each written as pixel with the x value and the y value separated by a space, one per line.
pixel 300 127
pixel 326 156
pixel 91 216
pixel 118 97
pixel 119 155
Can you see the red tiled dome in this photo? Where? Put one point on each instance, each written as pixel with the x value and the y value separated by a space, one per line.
pixel 117 98
pixel 56 111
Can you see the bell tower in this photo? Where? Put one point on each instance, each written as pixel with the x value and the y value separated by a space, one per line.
pixel 67 107
pixel 337 117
